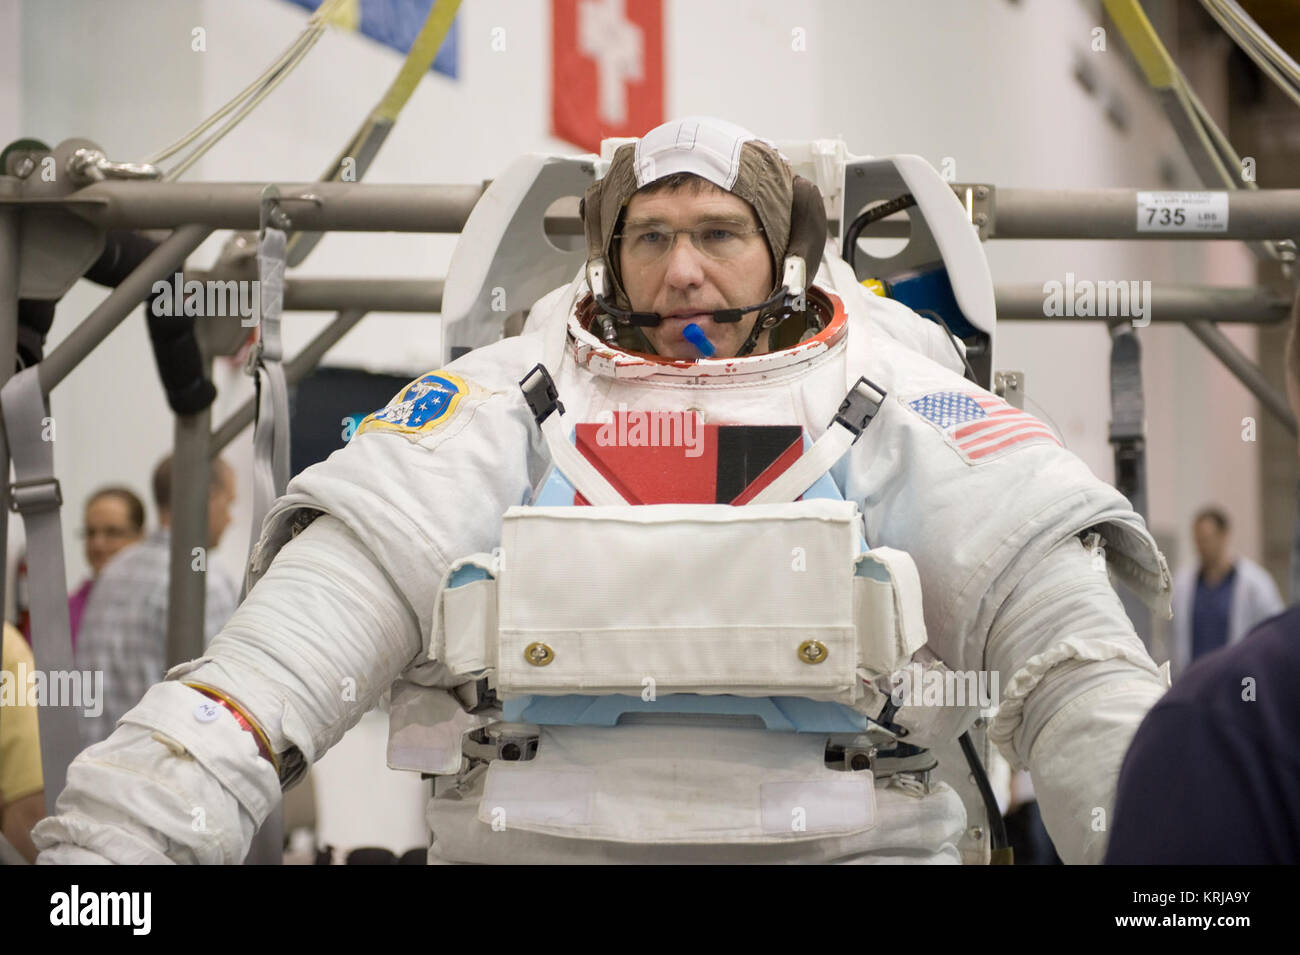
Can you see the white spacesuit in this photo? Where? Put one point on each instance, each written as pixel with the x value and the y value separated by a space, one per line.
pixel 350 572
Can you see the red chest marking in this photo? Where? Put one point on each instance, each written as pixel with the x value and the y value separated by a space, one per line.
pixel 669 458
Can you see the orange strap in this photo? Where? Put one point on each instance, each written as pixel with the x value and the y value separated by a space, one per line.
pixel 263 744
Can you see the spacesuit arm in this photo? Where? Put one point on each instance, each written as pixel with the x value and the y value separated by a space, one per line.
pixel 305 656
pixel 1077 683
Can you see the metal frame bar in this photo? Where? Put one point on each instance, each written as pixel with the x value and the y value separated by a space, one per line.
pixel 1016 302
pixel 1167 304
pixel 1112 214
pixel 10 238
pixel 1197 307
pixel 97 326
pixel 1245 370
pixel 1253 214
pixel 343 295
pixel 316 206
pixel 161 263
pixel 187 594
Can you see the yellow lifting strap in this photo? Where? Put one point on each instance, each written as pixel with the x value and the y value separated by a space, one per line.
pixel 1141 38
pixel 418 59
pixel 365 143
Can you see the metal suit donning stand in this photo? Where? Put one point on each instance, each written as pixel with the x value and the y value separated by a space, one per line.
pixel 194 211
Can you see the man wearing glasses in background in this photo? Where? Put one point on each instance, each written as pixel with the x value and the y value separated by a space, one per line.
pixel 114 520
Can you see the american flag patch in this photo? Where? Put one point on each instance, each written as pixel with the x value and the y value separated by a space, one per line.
pixel 980 425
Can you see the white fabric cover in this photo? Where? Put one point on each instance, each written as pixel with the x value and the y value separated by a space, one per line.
pixel 691 623
pixel 666 608
pixel 673 613
pixel 465 620
pixel 908 828
pixel 894 602
pixel 674 784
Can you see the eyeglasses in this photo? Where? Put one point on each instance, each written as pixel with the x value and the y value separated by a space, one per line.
pixel 112 533
pixel 645 245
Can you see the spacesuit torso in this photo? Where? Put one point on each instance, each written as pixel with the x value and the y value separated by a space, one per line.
pixel 974 518
pixel 692 787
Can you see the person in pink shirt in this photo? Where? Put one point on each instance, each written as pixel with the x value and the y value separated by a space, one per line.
pixel 114 520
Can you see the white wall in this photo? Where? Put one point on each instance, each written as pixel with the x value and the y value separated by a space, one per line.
pixel 10 65
pixel 988 83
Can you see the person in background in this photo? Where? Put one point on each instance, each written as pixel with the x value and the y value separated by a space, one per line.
pixel 124 629
pixel 114 520
pixel 22 787
pixel 1220 600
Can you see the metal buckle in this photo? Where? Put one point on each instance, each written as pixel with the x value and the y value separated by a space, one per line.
pixel 913 782
pixel 511 742
pixel 35 495
pixel 859 407
pixel 477 696
pixel 253 360
pixel 540 393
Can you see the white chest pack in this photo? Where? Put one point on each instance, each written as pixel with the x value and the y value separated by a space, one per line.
pixel 717 656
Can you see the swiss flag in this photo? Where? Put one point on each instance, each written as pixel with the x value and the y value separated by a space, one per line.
pixel 607 69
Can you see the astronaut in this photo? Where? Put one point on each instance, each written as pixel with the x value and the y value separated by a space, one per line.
pixel 709 291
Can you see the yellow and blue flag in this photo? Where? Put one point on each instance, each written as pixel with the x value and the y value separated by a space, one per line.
pixel 394 23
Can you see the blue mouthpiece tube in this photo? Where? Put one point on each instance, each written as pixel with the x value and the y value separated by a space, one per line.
pixel 695 335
